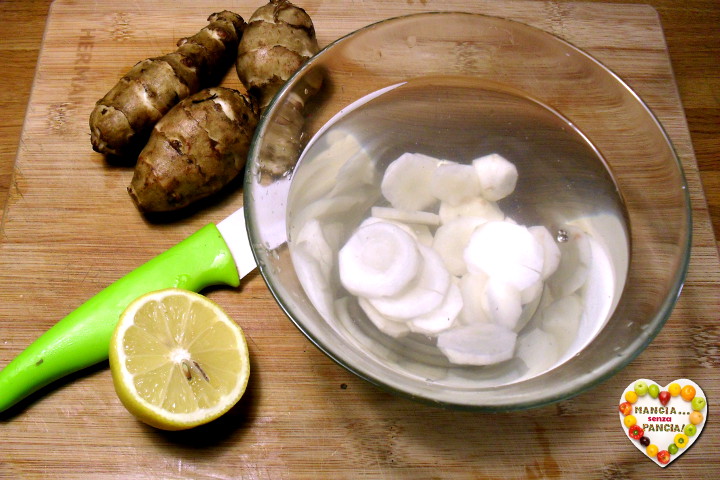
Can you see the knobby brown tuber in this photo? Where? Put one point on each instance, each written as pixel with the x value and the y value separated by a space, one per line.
pixel 195 150
pixel 124 117
pixel 278 39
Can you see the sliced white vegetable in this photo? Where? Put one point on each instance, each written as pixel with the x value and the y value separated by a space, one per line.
pixel 391 327
pixel 561 319
pixel 575 259
pixel 312 238
pixel 606 288
pixel 378 259
pixel 473 207
pixel 532 293
pixel 358 172
pixel 451 239
pixel 477 344
pixel 423 294
pixel 442 318
pixel 373 220
pixel 550 249
pixel 335 234
pixel 423 234
pixel 353 331
pixel 502 303
pixel 344 209
pixel 313 278
pixel 406 182
pixel 546 299
pixel 505 252
pixel 472 288
pixel 538 349
pixel 528 312
pixel 497 175
pixel 406 216
pixel 454 183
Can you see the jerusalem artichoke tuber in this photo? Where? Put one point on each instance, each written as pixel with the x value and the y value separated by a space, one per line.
pixel 125 116
pixel 278 39
pixel 195 150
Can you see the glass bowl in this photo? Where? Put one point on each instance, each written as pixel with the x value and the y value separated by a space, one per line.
pixel 585 146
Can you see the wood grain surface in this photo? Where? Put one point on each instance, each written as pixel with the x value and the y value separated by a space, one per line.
pixel 68 230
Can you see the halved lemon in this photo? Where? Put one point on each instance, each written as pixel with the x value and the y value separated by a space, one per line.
pixel 178 360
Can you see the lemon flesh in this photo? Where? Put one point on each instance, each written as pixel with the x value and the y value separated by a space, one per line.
pixel 177 359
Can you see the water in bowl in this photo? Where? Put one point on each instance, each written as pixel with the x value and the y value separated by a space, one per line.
pixel 563 184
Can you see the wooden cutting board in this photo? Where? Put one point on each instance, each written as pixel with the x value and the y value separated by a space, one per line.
pixel 70 229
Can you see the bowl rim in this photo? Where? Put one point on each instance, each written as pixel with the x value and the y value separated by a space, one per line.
pixel 612 367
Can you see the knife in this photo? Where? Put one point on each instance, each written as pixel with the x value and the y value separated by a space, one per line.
pixel 214 255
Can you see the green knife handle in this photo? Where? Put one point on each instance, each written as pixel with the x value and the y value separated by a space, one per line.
pixel 83 337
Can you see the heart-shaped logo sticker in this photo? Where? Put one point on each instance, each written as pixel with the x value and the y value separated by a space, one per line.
pixel 663 422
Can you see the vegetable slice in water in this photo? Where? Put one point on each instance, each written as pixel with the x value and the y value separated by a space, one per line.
pixel 532 293
pixel 472 285
pixel 502 303
pixel 575 259
pixel 478 344
pixel 416 217
pixel 538 349
pixel 419 232
pixel 441 318
pixel 423 295
pixel 393 327
pixel 451 239
pixel 379 259
pixel 505 252
pixel 312 237
pixel 562 319
pixel 473 207
pixel 407 180
pixel 454 182
pixel 551 252
pixel 498 176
